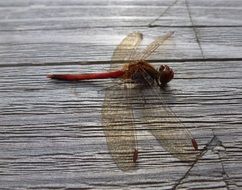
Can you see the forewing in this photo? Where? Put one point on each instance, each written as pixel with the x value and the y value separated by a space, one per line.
pixel 166 127
pixel 153 46
pixel 117 119
pixel 126 49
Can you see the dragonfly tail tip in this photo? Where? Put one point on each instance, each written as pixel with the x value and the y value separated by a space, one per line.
pixel 50 76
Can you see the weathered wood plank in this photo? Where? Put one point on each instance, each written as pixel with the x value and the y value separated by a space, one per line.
pixel 51 132
pixel 97 45
pixel 86 45
pixel 46 15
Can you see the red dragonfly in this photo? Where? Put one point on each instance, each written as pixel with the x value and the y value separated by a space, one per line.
pixel 141 83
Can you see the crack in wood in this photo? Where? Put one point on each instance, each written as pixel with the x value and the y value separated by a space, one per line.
pixel 194 28
pixel 121 26
pixel 163 13
pixel 108 62
pixel 211 145
pixel 221 155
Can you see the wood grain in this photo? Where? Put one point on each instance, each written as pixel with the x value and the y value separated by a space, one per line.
pixel 51 136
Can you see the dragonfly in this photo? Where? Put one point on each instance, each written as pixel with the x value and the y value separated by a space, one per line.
pixel 141 83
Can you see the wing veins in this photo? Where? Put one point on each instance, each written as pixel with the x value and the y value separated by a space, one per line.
pixel 153 46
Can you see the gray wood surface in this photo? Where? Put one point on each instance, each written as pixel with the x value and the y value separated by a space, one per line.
pixel 51 136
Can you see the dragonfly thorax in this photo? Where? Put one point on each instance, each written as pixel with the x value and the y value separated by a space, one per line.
pixel 141 72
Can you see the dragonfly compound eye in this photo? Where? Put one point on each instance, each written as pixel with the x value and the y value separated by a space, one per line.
pixel 166 74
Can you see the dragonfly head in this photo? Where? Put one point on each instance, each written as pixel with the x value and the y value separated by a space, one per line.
pixel 165 75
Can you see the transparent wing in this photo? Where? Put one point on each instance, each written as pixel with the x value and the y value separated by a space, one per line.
pixel 165 126
pixel 153 46
pixel 126 49
pixel 117 119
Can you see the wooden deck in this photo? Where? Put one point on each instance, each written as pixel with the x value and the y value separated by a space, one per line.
pixel 51 135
